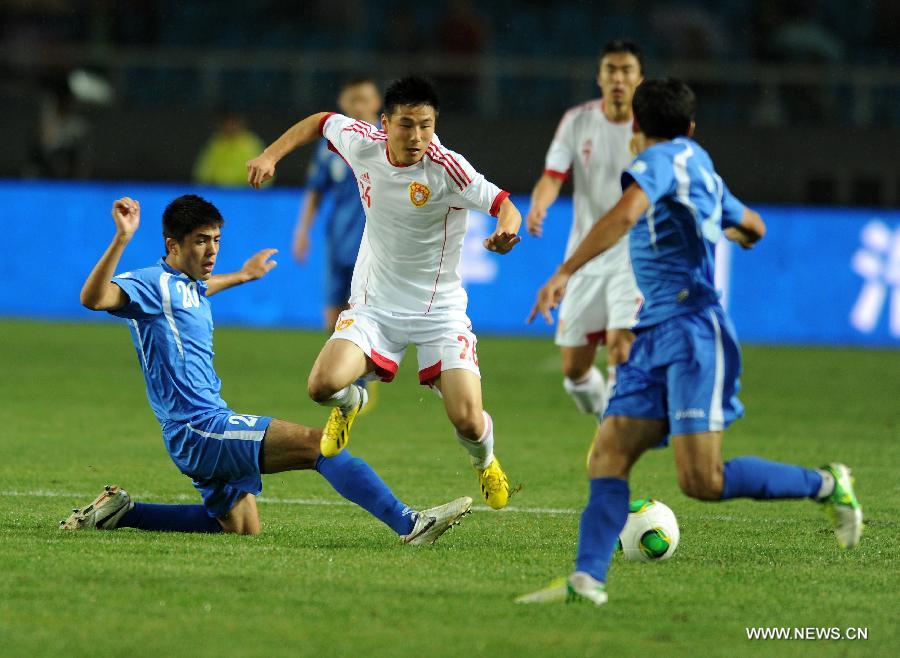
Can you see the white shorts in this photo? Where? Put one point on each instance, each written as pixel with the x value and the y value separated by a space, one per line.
pixel 443 341
pixel 594 304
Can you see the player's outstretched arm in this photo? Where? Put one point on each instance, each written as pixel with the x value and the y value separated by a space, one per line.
pixel 604 234
pixel 544 195
pixel 506 235
pixel 262 167
pixel 610 228
pixel 256 267
pixel 750 231
pixel 98 293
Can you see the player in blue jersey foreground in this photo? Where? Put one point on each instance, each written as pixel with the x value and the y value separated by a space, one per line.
pixel 223 452
pixel 681 379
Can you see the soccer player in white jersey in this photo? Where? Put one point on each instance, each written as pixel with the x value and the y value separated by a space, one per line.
pixel 592 146
pixel 406 286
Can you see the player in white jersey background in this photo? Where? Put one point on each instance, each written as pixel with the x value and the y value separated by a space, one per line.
pixel 592 145
pixel 406 286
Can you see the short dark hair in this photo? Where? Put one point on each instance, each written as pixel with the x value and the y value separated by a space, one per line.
pixel 664 108
pixel 617 46
pixel 357 81
pixel 413 91
pixel 188 213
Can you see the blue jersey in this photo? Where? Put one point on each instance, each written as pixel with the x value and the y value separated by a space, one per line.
pixel 673 244
pixel 172 330
pixel 346 219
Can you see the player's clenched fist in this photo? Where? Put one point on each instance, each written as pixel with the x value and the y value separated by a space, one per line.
pixel 260 169
pixel 126 214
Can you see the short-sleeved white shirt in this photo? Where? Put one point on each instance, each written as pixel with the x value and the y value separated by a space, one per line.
pixel 595 151
pixel 416 219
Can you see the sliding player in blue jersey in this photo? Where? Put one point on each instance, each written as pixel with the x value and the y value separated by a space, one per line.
pixel 681 379
pixel 224 453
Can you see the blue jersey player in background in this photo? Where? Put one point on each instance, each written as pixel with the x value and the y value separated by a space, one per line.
pixel 330 176
pixel 224 453
pixel 681 379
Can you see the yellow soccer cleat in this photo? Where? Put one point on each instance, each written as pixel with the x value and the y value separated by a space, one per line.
pixel 494 484
pixel 336 433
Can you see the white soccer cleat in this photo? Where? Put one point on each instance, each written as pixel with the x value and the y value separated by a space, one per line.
pixel 103 514
pixel 582 586
pixel 432 523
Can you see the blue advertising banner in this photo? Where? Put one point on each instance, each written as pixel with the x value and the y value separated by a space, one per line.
pixel 821 276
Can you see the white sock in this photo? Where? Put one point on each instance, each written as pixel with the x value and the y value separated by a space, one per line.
pixel 481 452
pixel 827 484
pixel 346 399
pixel 589 393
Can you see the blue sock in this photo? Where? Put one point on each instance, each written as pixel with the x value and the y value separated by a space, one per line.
pixel 601 522
pixel 355 480
pixel 171 518
pixel 752 477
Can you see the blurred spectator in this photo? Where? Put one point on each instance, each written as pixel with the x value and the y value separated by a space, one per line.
pixel 223 161
pixel 62 147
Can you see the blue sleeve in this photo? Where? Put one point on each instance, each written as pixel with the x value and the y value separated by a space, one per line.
pixel 144 296
pixel 653 172
pixel 732 208
pixel 319 173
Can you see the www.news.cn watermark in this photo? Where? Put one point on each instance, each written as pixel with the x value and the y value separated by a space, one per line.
pixel 806 633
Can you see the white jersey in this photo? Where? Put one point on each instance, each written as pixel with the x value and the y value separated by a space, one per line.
pixel 597 150
pixel 416 219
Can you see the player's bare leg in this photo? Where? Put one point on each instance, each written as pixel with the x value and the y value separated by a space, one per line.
pixel 698 458
pixel 290 447
pixel 339 364
pixel 619 442
pixel 461 392
pixel 702 475
pixel 243 518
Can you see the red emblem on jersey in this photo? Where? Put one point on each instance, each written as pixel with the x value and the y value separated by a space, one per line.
pixel 419 194
pixel 586 150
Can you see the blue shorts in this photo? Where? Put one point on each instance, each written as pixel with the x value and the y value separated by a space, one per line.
pixel 337 283
pixel 684 370
pixel 220 452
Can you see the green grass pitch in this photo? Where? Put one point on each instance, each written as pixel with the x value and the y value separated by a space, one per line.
pixel 325 579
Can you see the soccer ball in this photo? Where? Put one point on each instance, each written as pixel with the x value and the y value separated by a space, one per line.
pixel 650 533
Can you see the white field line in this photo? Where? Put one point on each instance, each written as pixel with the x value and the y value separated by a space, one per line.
pixel 313 502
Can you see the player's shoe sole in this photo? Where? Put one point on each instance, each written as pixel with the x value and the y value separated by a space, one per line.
pixel 435 521
pixel 104 513
pixel 843 508
pixel 494 484
pixel 336 434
